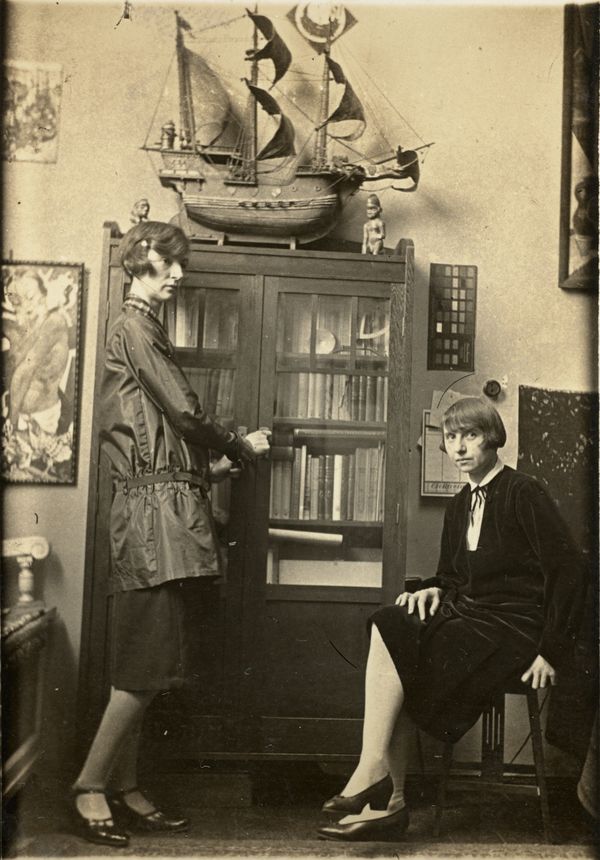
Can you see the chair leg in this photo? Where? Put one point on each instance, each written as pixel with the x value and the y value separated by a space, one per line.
pixel 442 785
pixel 538 760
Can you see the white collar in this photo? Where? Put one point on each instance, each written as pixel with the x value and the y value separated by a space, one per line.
pixel 495 470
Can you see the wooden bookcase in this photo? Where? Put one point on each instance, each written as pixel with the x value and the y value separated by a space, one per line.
pixel 315 345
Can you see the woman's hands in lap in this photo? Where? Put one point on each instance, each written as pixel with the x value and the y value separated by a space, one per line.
pixel 421 600
pixel 540 673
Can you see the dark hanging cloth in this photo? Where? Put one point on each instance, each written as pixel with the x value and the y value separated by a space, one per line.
pixel 558 445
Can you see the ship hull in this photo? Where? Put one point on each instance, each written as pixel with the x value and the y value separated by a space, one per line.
pixel 300 207
pixel 298 218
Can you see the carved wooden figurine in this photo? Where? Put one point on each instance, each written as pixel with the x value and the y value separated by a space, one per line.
pixel 374 228
pixel 140 211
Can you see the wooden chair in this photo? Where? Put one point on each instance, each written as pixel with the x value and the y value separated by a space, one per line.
pixel 492 774
pixel 26 628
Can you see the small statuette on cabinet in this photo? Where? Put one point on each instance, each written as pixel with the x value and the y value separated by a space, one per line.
pixel 140 211
pixel 374 228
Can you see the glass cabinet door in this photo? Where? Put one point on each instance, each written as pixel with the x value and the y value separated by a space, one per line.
pixel 328 459
pixel 203 324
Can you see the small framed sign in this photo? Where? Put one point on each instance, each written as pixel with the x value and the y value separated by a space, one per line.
pixel 438 476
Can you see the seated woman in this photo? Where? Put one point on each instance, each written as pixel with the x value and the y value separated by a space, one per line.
pixel 505 603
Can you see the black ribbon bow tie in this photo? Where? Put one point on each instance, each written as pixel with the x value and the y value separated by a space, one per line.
pixel 478 495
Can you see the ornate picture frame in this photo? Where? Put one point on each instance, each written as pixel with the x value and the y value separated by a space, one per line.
pixel 41 352
pixel 578 250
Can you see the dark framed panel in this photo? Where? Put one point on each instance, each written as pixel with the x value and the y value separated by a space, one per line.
pixel 452 308
pixel 578 250
pixel 41 351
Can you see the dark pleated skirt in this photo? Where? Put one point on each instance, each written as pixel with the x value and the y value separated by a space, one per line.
pixel 452 663
pixel 154 631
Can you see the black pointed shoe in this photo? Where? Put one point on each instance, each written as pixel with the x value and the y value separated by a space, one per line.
pixel 101 831
pixel 149 822
pixel 377 795
pixel 385 829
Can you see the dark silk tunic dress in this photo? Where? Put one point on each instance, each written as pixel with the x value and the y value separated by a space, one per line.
pixel 519 594
pixel 164 549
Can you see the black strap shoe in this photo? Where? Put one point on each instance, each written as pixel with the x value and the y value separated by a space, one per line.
pixel 388 827
pixel 102 831
pixel 377 795
pixel 149 822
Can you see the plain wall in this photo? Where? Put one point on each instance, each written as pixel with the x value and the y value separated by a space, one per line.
pixel 484 83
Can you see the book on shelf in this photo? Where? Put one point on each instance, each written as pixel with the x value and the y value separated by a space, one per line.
pixel 336 487
pixel 273 492
pixel 320 395
pixel 285 489
pixel 313 505
pixel 370 398
pixel 303 396
pixel 296 480
pixel 328 487
pixel 328 413
pixel 351 485
pixel 302 482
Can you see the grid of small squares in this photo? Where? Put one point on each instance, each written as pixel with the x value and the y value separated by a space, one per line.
pixel 452 301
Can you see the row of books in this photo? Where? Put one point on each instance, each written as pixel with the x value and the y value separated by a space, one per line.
pixel 214 387
pixel 210 314
pixel 336 487
pixel 332 396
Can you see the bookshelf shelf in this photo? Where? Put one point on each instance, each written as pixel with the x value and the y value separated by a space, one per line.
pixel 339 525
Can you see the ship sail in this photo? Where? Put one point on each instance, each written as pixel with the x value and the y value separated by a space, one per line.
pixel 349 107
pixel 209 101
pixel 274 48
pixel 281 144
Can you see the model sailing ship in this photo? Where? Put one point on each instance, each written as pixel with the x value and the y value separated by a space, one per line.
pixel 236 188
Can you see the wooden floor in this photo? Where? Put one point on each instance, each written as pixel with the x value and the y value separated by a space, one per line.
pixel 273 811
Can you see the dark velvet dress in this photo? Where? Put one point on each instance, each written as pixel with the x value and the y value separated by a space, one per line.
pixel 518 595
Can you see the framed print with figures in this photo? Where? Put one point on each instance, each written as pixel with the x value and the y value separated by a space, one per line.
pixel 41 346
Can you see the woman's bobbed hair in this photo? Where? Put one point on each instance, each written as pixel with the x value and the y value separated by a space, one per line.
pixel 167 240
pixel 471 413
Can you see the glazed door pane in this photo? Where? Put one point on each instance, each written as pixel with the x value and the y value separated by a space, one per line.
pixel 327 480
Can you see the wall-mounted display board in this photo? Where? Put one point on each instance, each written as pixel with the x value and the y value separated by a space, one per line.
pixel 452 304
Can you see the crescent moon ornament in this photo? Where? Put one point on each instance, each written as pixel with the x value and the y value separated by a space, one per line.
pixel 319 22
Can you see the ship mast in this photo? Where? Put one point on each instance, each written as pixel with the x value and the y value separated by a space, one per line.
pixel 320 153
pixel 252 142
pixel 187 129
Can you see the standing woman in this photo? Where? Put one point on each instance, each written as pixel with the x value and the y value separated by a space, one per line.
pixel 506 601
pixel 165 557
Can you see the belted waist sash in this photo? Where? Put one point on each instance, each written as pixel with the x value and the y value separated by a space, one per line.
pixel 161 478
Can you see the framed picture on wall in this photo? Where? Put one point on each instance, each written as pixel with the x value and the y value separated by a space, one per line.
pixel 32 96
pixel 578 257
pixel 41 352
